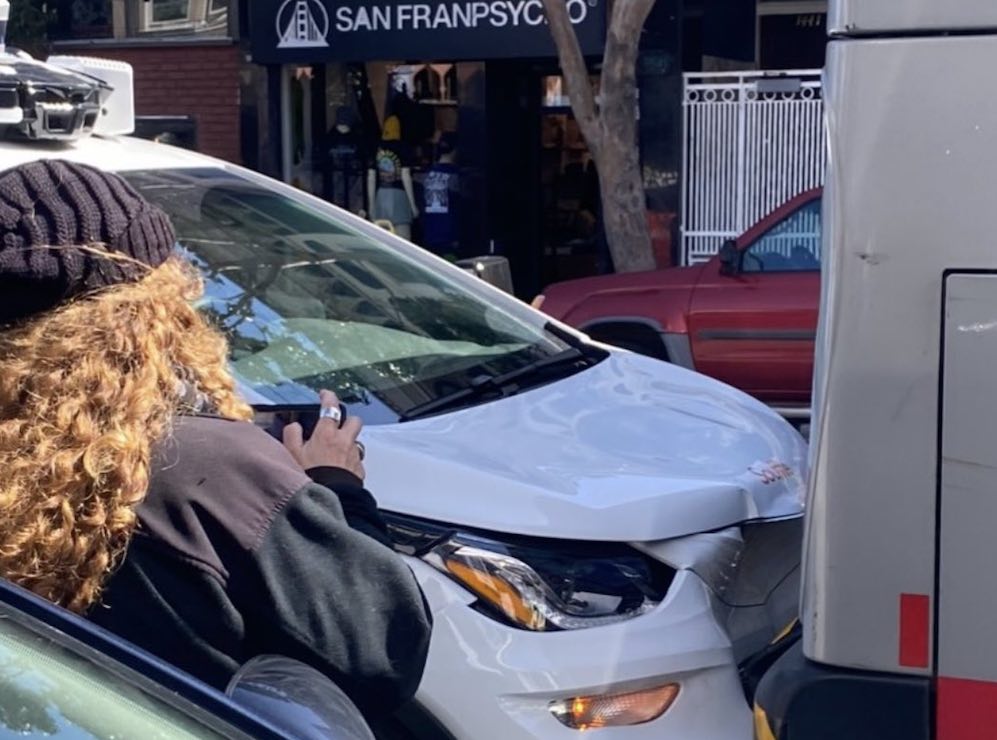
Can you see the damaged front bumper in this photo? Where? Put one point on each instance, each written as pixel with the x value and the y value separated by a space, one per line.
pixel 734 591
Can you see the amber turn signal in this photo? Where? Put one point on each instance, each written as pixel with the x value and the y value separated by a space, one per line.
pixel 615 710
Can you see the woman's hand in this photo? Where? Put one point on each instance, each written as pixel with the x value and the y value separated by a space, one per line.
pixel 330 445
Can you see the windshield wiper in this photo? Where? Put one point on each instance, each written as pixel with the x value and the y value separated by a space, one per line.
pixel 567 362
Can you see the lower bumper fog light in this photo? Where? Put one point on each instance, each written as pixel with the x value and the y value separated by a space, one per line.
pixel 615 710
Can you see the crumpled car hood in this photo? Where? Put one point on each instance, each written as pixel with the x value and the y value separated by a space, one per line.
pixel 630 450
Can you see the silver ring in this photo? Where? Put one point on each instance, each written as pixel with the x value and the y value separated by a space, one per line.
pixel 362 450
pixel 331 412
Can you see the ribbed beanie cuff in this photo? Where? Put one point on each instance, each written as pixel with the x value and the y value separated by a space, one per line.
pixel 67 229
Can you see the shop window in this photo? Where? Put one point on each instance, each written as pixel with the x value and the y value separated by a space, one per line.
pixel 184 16
pixel 423 97
pixel 692 43
pixel 792 34
pixel 555 92
pixel 569 187
pixel 178 131
pixel 426 83
pixel 795 41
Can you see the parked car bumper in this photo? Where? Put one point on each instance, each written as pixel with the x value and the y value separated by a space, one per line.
pixel 486 679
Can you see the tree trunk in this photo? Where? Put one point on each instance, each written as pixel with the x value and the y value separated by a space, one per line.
pixel 624 203
pixel 611 131
pixel 624 209
pixel 574 71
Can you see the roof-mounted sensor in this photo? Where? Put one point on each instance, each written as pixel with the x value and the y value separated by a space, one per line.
pixel 66 98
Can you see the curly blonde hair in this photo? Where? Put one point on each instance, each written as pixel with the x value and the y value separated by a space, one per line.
pixel 86 392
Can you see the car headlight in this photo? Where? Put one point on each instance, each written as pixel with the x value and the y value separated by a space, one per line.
pixel 539 584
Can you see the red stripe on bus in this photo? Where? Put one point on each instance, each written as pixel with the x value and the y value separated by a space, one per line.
pixel 967 710
pixel 915 630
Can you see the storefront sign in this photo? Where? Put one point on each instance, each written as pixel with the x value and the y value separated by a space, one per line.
pixel 311 31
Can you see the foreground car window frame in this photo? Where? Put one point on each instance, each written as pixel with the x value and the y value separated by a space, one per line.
pixel 71 638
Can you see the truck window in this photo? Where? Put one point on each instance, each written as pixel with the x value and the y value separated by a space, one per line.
pixel 792 245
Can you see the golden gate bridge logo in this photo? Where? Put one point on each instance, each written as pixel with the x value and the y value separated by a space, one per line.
pixel 302 24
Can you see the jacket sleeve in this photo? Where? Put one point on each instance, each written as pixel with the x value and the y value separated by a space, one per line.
pixel 359 506
pixel 341 601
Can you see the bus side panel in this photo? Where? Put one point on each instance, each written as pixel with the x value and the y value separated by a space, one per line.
pixel 967 588
pixel 912 184
pixel 852 17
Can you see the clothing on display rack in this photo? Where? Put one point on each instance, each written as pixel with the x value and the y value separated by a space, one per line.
pixel 389 182
pixel 441 194
pixel 346 161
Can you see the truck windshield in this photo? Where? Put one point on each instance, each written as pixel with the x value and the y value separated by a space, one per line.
pixel 309 302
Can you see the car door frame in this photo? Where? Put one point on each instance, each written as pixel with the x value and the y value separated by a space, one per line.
pixel 70 631
pixel 743 355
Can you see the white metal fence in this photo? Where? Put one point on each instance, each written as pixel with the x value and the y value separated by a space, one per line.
pixel 753 140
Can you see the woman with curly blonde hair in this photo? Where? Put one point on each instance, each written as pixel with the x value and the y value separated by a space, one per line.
pixel 135 491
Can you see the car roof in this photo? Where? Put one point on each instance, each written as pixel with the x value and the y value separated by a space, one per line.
pixel 119 153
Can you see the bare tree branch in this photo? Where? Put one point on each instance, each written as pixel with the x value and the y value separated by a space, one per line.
pixel 631 15
pixel 611 130
pixel 623 35
pixel 619 64
pixel 574 71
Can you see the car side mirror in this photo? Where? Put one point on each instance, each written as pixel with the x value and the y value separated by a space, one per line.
pixel 730 258
pixel 297 700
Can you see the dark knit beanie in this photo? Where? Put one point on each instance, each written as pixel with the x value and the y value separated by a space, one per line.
pixel 67 229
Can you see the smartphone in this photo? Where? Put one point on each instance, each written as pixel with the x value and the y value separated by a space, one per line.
pixel 273 421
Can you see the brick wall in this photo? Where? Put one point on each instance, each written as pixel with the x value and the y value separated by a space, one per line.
pixel 192 80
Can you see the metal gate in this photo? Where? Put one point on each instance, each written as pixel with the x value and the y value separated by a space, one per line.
pixel 753 140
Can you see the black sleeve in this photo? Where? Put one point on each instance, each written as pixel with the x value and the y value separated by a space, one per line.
pixel 358 504
pixel 341 602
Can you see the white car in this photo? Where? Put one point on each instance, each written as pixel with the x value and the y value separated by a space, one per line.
pixel 603 538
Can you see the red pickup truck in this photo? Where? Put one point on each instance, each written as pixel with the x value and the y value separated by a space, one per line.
pixel 748 316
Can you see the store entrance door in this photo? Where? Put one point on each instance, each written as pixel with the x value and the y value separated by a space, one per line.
pixel 570 230
pixel 297 134
pixel 543 194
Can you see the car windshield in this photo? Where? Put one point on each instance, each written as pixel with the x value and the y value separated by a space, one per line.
pixel 309 302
